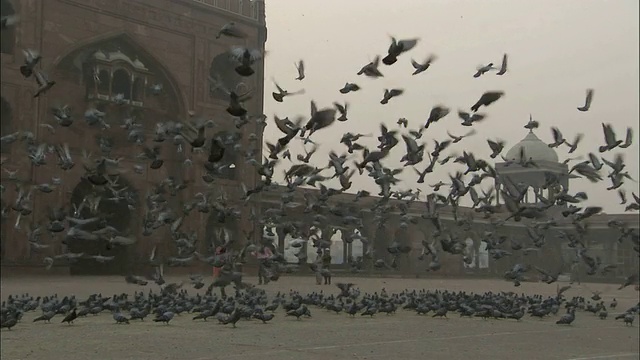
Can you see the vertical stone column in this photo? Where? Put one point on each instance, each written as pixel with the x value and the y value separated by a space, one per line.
pixel 281 238
pixel 345 246
pixel 368 232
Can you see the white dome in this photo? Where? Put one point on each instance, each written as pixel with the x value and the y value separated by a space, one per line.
pixel 534 149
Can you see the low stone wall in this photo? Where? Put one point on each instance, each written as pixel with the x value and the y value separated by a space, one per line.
pixel 251 269
pixel 18 270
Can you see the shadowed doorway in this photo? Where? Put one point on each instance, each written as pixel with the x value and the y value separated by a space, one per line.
pixel 117 215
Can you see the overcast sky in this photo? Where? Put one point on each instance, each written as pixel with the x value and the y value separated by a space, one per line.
pixel 557 49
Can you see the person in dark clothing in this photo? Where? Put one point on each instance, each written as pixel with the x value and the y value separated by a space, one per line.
pixel 264 255
pixel 316 267
pixel 226 269
pixel 326 267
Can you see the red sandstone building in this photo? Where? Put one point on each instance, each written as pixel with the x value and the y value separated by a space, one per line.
pixel 131 46
pixel 95 49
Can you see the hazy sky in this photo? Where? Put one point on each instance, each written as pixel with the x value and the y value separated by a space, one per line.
pixel 557 49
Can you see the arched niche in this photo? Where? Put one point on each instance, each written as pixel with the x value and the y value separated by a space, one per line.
pixel 121 83
pixel 357 246
pixel 6 114
pixel 222 67
pixel 93 72
pixel 471 253
pixel 102 82
pixel 337 248
pixel 117 215
pixel 312 251
pixel 483 256
pixel 295 254
pixel 270 235
pixel 7 36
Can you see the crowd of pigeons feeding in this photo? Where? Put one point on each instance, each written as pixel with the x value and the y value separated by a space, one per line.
pixel 255 304
pixel 190 134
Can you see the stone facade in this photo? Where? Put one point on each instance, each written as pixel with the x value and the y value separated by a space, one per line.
pixel 470 227
pixel 146 42
pixel 172 42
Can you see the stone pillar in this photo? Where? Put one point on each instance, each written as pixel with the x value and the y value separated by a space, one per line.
pixel 345 250
pixel 402 237
pixel 282 236
pixel 368 232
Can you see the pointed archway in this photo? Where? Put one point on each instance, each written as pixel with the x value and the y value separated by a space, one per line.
pixel 116 74
pixel 114 207
pixel 74 58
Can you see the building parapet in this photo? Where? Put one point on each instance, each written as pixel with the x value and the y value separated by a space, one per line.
pixel 249 9
pixel 418 207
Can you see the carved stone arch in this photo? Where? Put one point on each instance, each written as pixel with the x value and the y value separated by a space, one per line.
pixel 223 67
pixel 471 253
pixel 7 122
pixel 338 246
pixel 121 82
pixel 116 214
pixel 8 36
pixel 104 82
pixel 280 240
pixel 357 246
pixel 73 57
pixel 483 259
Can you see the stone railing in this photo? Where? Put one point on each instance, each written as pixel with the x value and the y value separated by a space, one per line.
pixel 246 8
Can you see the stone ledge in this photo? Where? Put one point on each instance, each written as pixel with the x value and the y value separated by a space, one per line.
pixel 26 270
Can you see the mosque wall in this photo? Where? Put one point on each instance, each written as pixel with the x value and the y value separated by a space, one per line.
pixel 175 41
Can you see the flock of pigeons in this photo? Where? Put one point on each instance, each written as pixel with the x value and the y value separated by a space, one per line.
pixel 87 222
pixel 254 303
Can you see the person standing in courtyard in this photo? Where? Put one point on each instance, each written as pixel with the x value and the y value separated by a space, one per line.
pixel 326 266
pixel 263 255
pixel 316 267
pixel 216 270
pixel 575 272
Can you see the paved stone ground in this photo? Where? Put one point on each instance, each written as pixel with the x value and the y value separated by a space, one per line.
pixel 325 335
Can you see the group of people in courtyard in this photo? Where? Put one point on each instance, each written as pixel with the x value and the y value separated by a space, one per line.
pixel 268 271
